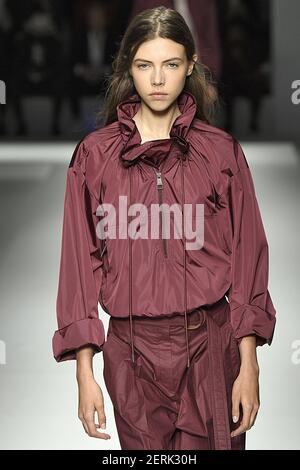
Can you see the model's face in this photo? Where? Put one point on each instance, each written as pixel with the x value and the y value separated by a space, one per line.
pixel 160 65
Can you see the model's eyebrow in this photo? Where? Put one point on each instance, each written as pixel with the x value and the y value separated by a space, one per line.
pixel 167 60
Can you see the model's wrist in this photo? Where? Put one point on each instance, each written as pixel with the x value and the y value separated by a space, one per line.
pixel 84 373
pixel 247 348
pixel 250 365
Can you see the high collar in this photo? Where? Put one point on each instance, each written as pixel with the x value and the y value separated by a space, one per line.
pixel 132 147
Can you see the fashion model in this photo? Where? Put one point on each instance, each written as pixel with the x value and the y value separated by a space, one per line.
pixel 162 227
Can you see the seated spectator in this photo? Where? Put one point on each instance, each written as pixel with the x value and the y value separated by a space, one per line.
pixel 37 66
pixel 89 61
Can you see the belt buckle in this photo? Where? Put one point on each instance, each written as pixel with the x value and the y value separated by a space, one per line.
pixel 194 326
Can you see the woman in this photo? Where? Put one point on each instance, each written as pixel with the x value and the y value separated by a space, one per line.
pixel 180 360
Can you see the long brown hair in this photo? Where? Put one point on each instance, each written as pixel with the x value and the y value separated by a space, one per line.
pixel 151 23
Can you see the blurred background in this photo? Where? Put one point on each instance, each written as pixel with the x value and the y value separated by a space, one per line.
pixel 55 55
pixel 54 58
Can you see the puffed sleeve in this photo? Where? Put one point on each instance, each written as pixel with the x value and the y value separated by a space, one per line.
pixel 80 271
pixel 251 307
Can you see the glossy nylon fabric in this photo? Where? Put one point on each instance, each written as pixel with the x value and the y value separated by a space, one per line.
pixel 131 278
pixel 158 402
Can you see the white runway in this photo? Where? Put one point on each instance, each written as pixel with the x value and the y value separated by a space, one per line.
pixel 38 406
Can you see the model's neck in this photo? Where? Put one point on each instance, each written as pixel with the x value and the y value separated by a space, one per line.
pixel 153 125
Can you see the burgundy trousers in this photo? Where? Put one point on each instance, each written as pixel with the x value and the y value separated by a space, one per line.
pixel 158 402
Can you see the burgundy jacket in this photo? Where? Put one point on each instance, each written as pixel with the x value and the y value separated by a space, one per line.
pixel 200 164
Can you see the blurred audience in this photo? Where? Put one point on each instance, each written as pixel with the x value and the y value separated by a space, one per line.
pixel 88 59
pixel 5 31
pixel 63 50
pixel 37 66
pixel 246 52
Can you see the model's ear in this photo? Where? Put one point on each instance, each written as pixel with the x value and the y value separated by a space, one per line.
pixel 192 63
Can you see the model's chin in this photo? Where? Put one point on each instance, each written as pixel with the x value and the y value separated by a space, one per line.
pixel 158 103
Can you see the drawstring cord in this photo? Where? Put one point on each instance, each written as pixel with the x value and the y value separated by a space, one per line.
pixel 184 265
pixel 130 272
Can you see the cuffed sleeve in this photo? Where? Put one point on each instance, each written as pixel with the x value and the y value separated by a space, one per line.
pixel 251 307
pixel 80 272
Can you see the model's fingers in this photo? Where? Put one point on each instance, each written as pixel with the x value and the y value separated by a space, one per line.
pixel 92 430
pixel 101 415
pixel 235 407
pixel 85 426
pixel 254 414
pixel 256 406
pixel 89 419
pixel 80 416
pixel 244 426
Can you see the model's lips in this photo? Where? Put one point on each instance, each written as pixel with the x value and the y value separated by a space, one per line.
pixel 158 96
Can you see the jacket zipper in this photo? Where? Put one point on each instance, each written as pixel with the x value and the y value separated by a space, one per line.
pixel 159 185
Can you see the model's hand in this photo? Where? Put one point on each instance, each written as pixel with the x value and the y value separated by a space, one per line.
pixel 245 392
pixel 91 401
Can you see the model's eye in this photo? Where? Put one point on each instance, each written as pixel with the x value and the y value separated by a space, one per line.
pixel 172 64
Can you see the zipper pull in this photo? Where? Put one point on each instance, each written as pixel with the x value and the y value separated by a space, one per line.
pixel 158 179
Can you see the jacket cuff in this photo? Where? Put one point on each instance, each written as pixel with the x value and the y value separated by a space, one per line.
pixel 65 341
pixel 252 320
